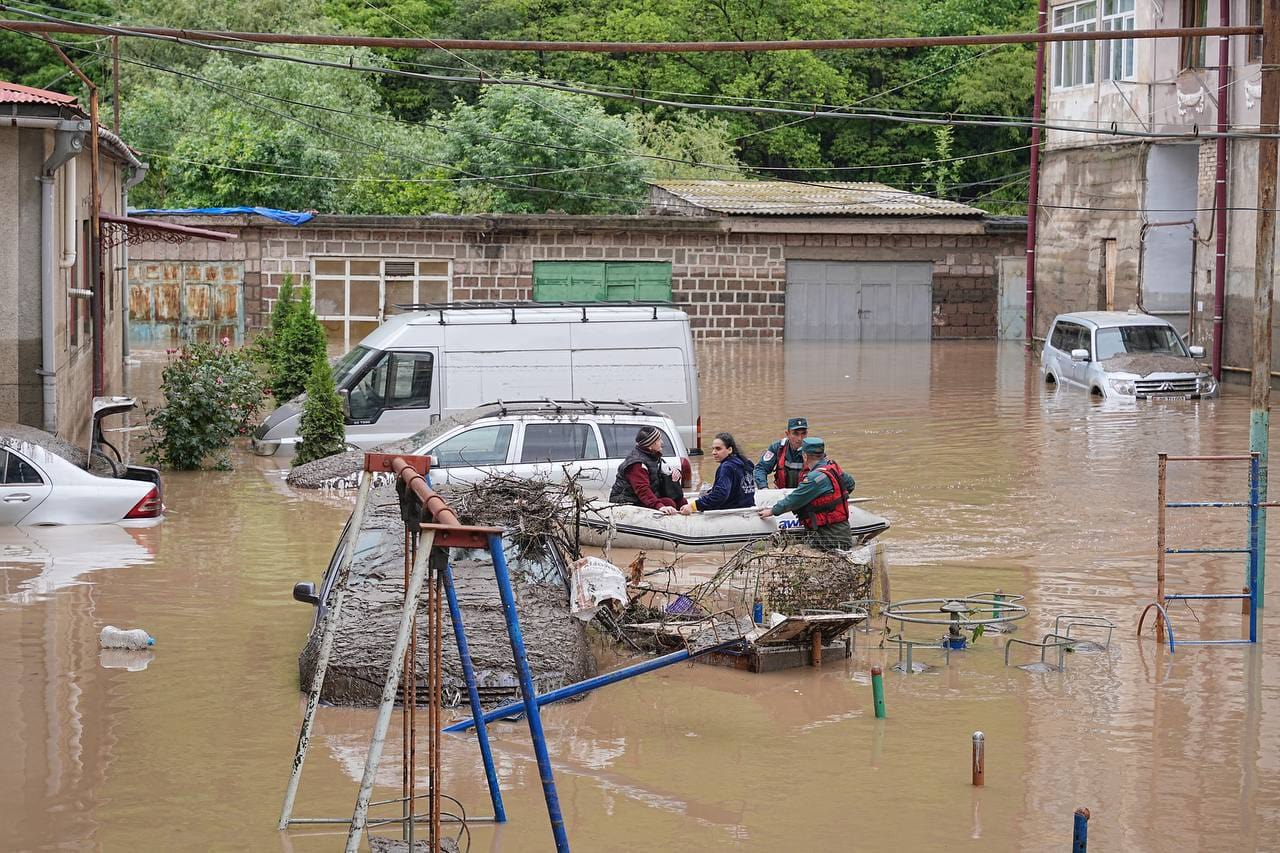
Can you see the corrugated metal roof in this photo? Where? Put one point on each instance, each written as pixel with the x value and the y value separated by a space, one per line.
pixel 777 198
pixel 13 93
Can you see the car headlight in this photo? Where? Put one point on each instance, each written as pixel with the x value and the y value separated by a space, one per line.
pixel 1122 386
pixel 1206 385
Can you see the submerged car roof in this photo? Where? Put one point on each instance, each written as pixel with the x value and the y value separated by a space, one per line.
pixel 1107 319
pixel 483 314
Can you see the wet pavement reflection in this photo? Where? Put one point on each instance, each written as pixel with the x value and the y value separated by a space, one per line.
pixel 991 481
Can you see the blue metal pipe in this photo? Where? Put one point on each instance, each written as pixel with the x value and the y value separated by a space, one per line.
pixel 587 685
pixel 469 675
pixel 507 594
pixel 1256 545
pixel 1205 596
pixel 1240 642
pixel 1080 832
pixel 1177 504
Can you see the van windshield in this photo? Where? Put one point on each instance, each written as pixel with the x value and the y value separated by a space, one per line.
pixel 348 363
pixel 1133 340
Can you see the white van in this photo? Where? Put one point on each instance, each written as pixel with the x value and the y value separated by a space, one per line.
pixel 420 366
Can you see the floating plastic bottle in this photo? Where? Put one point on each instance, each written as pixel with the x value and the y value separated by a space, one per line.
pixel 118 638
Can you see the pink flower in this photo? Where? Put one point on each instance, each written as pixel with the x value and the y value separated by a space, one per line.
pixel 170 351
pixel 219 380
pixel 225 341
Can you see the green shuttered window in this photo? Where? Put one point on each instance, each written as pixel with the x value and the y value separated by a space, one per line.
pixel 601 281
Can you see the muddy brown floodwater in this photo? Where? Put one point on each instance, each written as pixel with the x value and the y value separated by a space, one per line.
pixel 990 479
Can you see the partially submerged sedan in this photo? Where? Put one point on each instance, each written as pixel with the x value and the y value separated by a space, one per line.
pixel 41 484
pixel 1123 355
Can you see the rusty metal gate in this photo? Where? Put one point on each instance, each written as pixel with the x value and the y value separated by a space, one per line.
pixel 173 302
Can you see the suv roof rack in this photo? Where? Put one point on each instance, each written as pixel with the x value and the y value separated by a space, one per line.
pixel 580 406
pixel 514 305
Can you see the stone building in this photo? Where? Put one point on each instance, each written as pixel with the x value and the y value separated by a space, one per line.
pixel 1127 221
pixel 744 259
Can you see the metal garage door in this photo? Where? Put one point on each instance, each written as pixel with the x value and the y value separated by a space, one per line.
pixel 859 301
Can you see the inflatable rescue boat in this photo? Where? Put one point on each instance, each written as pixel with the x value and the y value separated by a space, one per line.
pixel 627 526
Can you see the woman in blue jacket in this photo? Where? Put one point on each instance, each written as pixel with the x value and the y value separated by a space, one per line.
pixel 735 486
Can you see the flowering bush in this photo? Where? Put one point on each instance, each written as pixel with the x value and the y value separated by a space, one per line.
pixel 212 394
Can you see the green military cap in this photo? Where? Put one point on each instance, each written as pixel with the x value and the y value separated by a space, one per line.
pixel 797 423
pixel 813 445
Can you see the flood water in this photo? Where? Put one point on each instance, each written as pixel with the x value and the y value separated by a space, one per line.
pixel 990 480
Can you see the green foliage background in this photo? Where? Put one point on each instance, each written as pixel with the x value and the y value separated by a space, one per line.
pixel 235 129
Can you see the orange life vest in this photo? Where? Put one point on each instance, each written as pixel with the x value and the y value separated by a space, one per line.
pixel 830 508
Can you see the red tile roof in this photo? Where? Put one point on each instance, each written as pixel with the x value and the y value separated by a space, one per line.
pixel 12 93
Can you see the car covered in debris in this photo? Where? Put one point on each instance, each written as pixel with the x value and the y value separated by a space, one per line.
pixel 1123 355
pixel 45 480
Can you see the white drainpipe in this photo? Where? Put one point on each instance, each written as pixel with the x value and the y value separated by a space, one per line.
pixel 68 215
pixel 48 352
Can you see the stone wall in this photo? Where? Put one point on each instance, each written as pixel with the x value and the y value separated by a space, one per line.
pixel 728 273
pixel 1087 195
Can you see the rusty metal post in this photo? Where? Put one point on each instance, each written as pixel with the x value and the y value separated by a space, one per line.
pixel 1264 266
pixel 815 655
pixel 115 84
pixel 1033 184
pixel 979 759
pixel 1220 190
pixel 1162 465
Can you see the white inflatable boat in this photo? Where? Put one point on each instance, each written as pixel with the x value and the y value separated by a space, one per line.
pixel 626 526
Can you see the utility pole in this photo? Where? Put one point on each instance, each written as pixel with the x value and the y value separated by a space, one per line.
pixel 1264 267
pixel 1033 184
pixel 115 83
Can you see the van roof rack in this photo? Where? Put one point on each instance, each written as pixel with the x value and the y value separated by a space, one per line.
pixel 579 406
pixel 514 305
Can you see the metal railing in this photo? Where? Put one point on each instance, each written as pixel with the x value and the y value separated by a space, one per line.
pixel 1252 551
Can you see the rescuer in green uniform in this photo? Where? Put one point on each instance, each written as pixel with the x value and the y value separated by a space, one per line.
pixel 784 459
pixel 821 501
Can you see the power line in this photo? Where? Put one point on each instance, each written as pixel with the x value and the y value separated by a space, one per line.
pixel 892 43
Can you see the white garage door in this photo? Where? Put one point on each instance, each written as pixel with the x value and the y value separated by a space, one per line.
pixel 859 301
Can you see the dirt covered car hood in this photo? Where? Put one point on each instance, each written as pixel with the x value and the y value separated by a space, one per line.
pixel 1145 364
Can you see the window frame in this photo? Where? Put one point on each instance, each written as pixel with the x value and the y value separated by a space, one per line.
pixel 1122 20
pixel 1253 12
pixel 1192 52
pixel 1081 56
pixel 6 454
pixel 344 320
pixel 668 446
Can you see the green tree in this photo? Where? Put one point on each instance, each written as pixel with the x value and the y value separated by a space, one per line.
pixel 263 133
pixel 544 150
pixel 322 429
pixel 689 146
pixel 301 342
pixel 265 345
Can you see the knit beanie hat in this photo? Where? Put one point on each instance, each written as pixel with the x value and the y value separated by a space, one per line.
pixel 646 436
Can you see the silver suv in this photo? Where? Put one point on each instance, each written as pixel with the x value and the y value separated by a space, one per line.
pixel 1123 355
pixel 550 438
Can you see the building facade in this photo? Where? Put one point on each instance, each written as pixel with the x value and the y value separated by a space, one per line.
pixel 925 272
pixel 1130 222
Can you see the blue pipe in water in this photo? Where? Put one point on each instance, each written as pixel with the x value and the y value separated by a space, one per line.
pixel 1080 832
pixel 527 693
pixel 590 684
pixel 469 675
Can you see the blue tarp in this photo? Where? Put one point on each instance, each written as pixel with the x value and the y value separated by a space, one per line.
pixel 288 217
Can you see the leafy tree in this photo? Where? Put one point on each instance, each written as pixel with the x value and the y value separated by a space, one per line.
pixel 690 146
pixel 26 59
pixel 262 133
pixel 544 150
pixel 301 342
pixel 322 428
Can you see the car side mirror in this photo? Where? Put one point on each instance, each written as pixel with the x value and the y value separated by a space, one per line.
pixel 1196 352
pixel 345 395
pixel 305 591
pixel 1079 355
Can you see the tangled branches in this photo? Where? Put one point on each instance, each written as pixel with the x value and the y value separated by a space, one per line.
pixel 539 514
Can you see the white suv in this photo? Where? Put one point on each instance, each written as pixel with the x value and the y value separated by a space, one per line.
pixel 1123 355
pixel 549 439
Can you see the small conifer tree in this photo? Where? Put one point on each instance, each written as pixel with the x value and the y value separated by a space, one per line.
pixel 322 430
pixel 300 343
pixel 266 344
